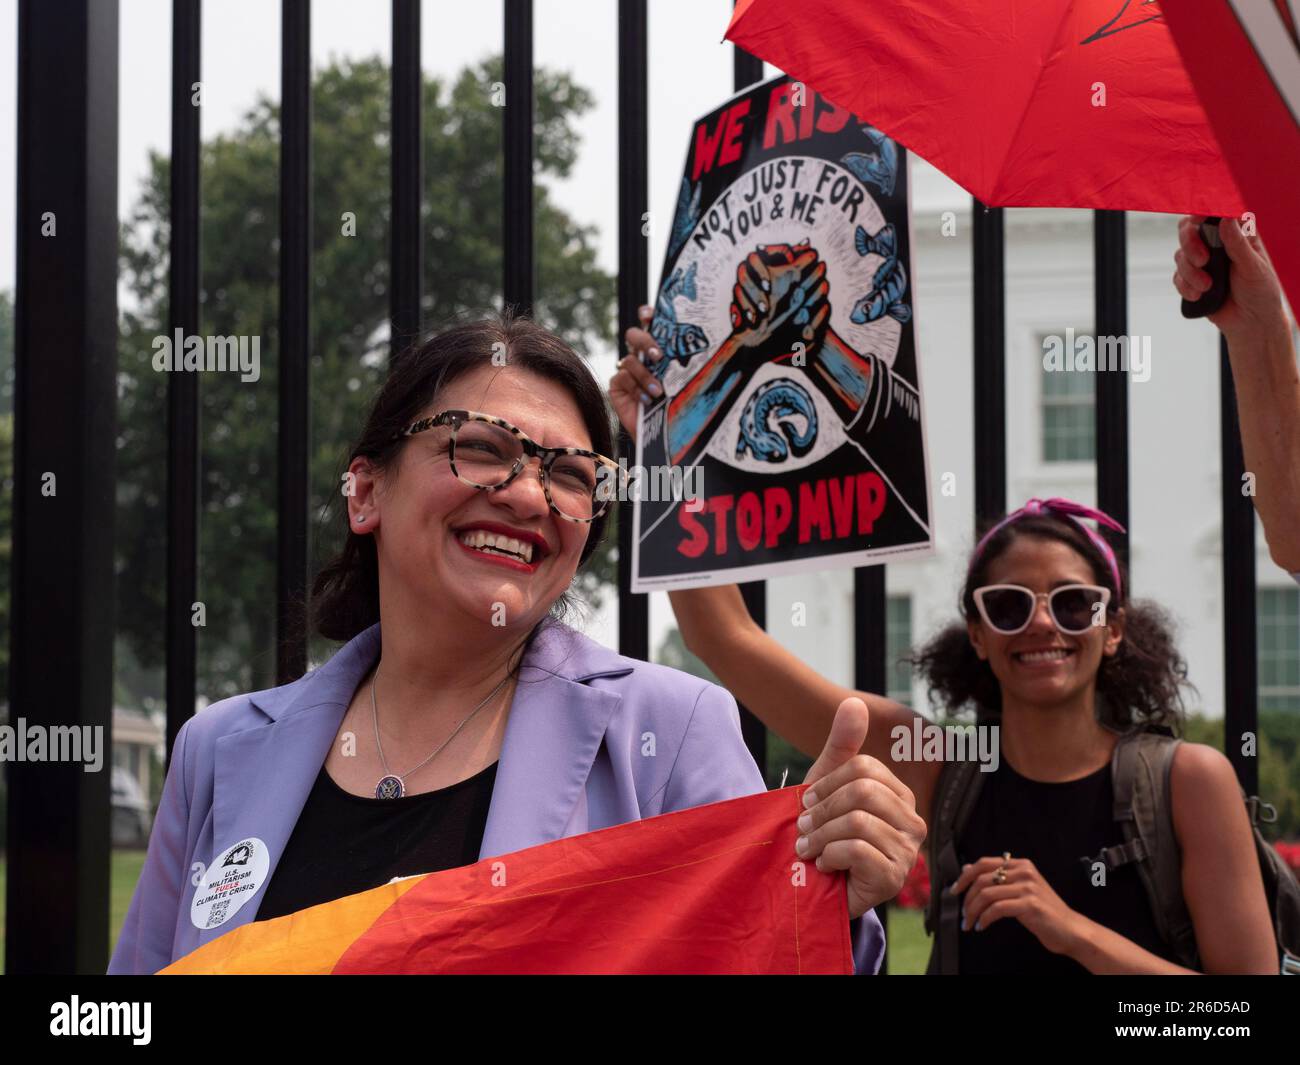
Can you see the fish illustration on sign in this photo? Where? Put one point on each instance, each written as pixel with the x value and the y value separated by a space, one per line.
pixel 678 340
pixel 686 217
pixel 890 281
pixel 878 167
pixel 771 407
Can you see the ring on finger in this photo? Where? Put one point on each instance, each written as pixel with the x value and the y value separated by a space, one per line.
pixel 1000 875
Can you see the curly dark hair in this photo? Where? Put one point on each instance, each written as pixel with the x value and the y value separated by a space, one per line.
pixel 1138 687
pixel 345 592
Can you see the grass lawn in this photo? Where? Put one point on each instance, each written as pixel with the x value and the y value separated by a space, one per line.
pixel 124 871
pixel 909 946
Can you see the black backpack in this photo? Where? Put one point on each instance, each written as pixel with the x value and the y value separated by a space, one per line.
pixel 1140 783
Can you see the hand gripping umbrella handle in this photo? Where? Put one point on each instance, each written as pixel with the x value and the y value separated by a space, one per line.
pixel 1217 267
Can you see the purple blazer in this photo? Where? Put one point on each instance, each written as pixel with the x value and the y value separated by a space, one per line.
pixel 570 762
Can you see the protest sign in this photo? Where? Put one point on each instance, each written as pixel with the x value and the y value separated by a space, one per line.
pixel 790 435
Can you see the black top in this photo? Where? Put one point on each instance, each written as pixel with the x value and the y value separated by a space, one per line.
pixel 344 843
pixel 1054 825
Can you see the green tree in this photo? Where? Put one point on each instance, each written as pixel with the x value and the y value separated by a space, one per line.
pixel 462 233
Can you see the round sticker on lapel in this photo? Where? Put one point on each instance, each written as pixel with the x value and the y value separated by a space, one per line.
pixel 231 880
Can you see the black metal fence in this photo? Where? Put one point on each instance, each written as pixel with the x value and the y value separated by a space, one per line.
pixel 65 362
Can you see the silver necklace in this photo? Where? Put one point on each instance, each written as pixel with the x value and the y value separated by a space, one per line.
pixel 390 785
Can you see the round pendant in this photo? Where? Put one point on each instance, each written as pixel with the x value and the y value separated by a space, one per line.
pixel 389 787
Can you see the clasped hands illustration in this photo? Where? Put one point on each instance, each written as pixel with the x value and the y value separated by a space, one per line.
pixel 780 312
pixel 780 301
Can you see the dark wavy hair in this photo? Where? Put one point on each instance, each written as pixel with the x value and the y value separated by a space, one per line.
pixel 345 593
pixel 1138 687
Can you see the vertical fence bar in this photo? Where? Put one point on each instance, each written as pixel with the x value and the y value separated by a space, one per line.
pixel 295 323
pixel 1240 664
pixel 407 171
pixel 183 388
pixel 1110 272
pixel 65 389
pixel 988 276
pixel 869 664
pixel 746 70
pixel 633 277
pixel 989 391
pixel 517 217
pixel 869 647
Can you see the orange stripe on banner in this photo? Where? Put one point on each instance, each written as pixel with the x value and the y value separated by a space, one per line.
pixel 310 941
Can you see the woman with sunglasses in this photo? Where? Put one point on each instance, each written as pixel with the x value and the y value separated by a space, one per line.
pixel 1050 650
pixel 477 724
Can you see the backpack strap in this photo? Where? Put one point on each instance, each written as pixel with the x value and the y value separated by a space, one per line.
pixel 1140 768
pixel 1281 888
pixel 955 793
pixel 1141 785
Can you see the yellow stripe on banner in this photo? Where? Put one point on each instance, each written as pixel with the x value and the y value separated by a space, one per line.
pixel 309 942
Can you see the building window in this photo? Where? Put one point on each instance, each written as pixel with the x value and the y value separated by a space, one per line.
pixel 898 642
pixel 1069 426
pixel 1279 648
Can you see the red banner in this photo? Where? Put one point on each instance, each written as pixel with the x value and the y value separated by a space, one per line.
pixel 714 889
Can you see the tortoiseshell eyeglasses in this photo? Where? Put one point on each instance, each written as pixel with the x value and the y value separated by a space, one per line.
pixel 488 453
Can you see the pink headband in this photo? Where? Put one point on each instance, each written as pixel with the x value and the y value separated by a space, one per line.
pixel 1072 510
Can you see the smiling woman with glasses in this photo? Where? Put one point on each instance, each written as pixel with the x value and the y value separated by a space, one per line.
pixel 462 719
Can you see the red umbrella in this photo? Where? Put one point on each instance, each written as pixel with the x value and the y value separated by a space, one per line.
pixel 1025 103
pixel 1245 61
